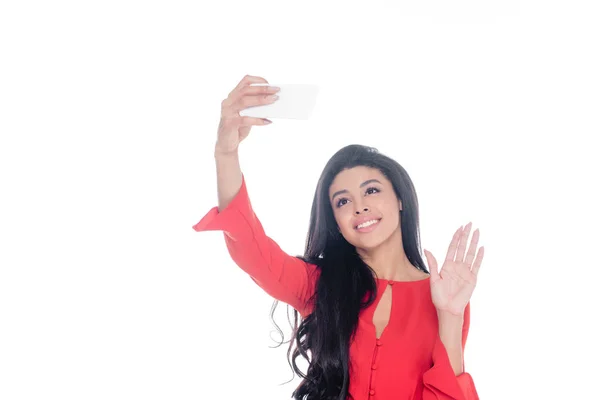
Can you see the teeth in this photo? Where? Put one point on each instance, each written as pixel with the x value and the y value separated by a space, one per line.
pixel 368 223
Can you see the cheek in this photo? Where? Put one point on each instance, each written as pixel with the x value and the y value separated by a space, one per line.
pixel 393 223
pixel 344 220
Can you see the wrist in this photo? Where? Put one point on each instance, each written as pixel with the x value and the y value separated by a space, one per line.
pixel 450 328
pixel 225 154
pixel 450 318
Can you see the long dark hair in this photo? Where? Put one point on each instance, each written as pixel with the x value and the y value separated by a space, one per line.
pixel 346 284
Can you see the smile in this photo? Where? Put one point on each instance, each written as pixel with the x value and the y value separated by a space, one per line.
pixel 365 226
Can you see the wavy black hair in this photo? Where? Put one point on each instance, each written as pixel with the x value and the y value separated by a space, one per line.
pixel 345 280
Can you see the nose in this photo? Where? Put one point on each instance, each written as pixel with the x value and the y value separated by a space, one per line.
pixel 364 209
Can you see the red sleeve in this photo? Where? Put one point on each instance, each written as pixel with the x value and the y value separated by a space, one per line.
pixel 439 381
pixel 284 277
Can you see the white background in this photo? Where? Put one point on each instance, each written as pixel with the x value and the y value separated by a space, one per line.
pixel 108 119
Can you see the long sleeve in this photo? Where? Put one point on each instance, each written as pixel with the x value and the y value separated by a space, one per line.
pixel 282 276
pixel 439 381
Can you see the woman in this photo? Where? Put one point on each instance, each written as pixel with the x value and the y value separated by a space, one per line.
pixel 375 323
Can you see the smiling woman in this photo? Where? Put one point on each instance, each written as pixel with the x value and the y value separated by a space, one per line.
pixel 367 203
pixel 374 323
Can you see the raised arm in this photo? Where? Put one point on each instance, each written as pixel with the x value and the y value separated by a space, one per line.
pixel 282 276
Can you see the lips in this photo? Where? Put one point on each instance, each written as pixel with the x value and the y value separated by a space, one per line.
pixel 363 220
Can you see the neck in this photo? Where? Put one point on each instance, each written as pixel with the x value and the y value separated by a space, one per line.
pixel 388 260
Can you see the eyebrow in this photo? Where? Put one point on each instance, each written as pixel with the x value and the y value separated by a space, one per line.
pixel 361 185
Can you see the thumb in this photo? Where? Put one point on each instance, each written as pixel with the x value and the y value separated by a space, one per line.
pixel 433 267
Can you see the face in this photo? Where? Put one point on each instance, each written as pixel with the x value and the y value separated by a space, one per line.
pixel 363 193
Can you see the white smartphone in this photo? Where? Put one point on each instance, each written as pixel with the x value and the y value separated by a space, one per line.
pixel 296 101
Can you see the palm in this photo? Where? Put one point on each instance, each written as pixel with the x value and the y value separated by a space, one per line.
pixel 452 287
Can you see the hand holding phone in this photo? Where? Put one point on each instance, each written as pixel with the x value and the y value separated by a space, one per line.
pixel 296 101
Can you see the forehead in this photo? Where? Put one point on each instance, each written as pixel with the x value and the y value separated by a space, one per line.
pixel 351 179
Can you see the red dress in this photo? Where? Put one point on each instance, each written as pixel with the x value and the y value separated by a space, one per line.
pixel 408 361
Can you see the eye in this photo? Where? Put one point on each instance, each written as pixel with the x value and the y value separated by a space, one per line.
pixel 368 191
pixel 338 205
pixel 374 188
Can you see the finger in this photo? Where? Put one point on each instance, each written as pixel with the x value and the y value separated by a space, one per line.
pixel 453 245
pixel 230 107
pixel 478 261
pixel 433 267
pixel 249 121
pixel 256 91
pixel 233 96
pixel 247 81
pixel 462 243
pixel 472 247
pixel 252 101
pixel 238 122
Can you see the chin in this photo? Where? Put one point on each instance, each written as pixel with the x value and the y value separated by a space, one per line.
pixel 368 242
pixel 374 239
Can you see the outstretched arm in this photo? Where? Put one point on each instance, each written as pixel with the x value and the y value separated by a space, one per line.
pixel 282 276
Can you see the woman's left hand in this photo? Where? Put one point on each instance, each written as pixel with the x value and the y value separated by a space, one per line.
pixel 452 287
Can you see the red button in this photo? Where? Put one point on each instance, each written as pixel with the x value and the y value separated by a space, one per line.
pixel 373 366
pixel 372 392
pixel 379 342
pixel 391 283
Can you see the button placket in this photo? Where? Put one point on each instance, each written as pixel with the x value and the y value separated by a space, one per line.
pixel 375 359
pixel 374 364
